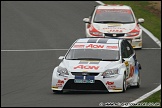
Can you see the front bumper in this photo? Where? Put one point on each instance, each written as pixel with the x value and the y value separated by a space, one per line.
pixel 136 41
pixel 113 84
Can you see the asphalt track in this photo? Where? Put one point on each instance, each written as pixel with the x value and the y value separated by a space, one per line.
pixel 26 75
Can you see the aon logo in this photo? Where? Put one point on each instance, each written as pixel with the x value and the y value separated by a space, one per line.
pixel 86 67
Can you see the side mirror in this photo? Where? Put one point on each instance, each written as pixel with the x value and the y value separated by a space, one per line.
pixel 86 20
pixel 123 60
pixel 140 20
pixel 61 57
pixel 139 65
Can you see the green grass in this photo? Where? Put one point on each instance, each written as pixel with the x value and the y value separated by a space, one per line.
pixel 154 99
pixel 141 10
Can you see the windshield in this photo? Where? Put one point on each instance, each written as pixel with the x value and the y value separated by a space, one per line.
pixel 93 54
pixel 113 16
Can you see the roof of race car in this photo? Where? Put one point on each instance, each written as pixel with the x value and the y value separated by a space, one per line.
pixel 97 43
pixel 107 6
pixel 98 40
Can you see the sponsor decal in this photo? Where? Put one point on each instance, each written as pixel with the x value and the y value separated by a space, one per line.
pixel 114 24
pixel 94 46
pixel 86 67
pixel 109 83
pixel 78 46
pixel 59 85
pixel 112 47
pixel 114 29
pixel 111 87
pixel 131 70
pixel 127 11
pixel 61 81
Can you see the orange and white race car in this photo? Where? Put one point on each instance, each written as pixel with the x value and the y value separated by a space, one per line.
pixel 114 21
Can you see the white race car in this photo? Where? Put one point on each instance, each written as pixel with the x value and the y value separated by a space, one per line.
pixel 114 21
pixel 97 64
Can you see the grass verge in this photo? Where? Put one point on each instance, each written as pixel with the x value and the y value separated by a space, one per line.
pixel 152 101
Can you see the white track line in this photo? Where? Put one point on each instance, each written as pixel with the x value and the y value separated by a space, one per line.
pixel 145 96
pixel 59 50
pixel 34 50
pixel 159 43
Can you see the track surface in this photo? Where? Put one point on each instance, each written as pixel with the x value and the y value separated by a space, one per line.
pixel 26 76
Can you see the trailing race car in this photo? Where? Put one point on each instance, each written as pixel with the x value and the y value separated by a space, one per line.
pixel 115 21
pixel 97 64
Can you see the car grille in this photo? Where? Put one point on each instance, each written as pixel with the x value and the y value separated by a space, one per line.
pixel 84 73
pixel 111 34
pixel 70 85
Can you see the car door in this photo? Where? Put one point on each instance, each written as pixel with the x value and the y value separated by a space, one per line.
pixel 128 55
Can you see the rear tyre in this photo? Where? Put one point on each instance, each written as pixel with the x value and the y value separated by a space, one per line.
pixel 138 81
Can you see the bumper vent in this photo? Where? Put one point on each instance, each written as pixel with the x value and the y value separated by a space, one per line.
pixel 116 35
pixel 98 85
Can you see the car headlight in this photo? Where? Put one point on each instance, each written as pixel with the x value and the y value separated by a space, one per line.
pixel 132 34
pixel 62 71
pixel 110 73
pixel 96 33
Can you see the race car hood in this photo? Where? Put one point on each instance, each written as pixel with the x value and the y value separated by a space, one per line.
pixel 88 66
pixel 114 27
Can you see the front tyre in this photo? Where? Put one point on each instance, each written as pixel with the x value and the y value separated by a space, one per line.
pixel 124 84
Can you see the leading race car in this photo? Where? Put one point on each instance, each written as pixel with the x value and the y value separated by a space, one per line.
pixel 97 64
pixel 115 21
